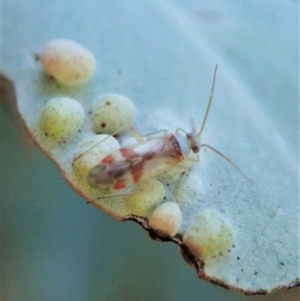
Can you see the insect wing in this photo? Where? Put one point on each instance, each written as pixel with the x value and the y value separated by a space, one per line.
pixel 154 156
pixel 129 165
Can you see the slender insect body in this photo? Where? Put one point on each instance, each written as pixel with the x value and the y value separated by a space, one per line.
pixel 147 159
pixel 130 165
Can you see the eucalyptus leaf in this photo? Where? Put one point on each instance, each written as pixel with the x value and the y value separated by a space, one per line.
pixel 162 56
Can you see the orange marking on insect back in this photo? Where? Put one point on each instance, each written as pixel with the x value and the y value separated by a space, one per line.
pixel 137 172
pixel 108 159
pixel 127 152
pixel 119 185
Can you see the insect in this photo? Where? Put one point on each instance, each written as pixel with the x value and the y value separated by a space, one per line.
pixel 130 165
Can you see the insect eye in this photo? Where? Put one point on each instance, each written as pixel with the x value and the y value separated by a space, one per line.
pixel 196 148
pixel 189 136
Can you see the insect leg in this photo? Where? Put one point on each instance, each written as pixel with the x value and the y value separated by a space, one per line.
pixel 227 159
pixel 108 197
pixel 182 180
pixel 116 132
pixel 136 135
pixel 191 159
pixel 164 131
pixel 139 137
pixel 180 130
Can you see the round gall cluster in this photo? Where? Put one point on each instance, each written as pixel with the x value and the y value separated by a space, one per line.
pixel 208 234
pixel 72 64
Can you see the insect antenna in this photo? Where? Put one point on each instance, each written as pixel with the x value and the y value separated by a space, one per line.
pixel 227 159
pixel 209 103
pixel 193 127
pixel 202 127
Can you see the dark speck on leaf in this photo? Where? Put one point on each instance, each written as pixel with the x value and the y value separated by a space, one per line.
pixel 103 124
pixel 108 103
pixel 36 56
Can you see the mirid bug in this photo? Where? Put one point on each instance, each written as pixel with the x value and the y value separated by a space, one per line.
pixel 132 164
